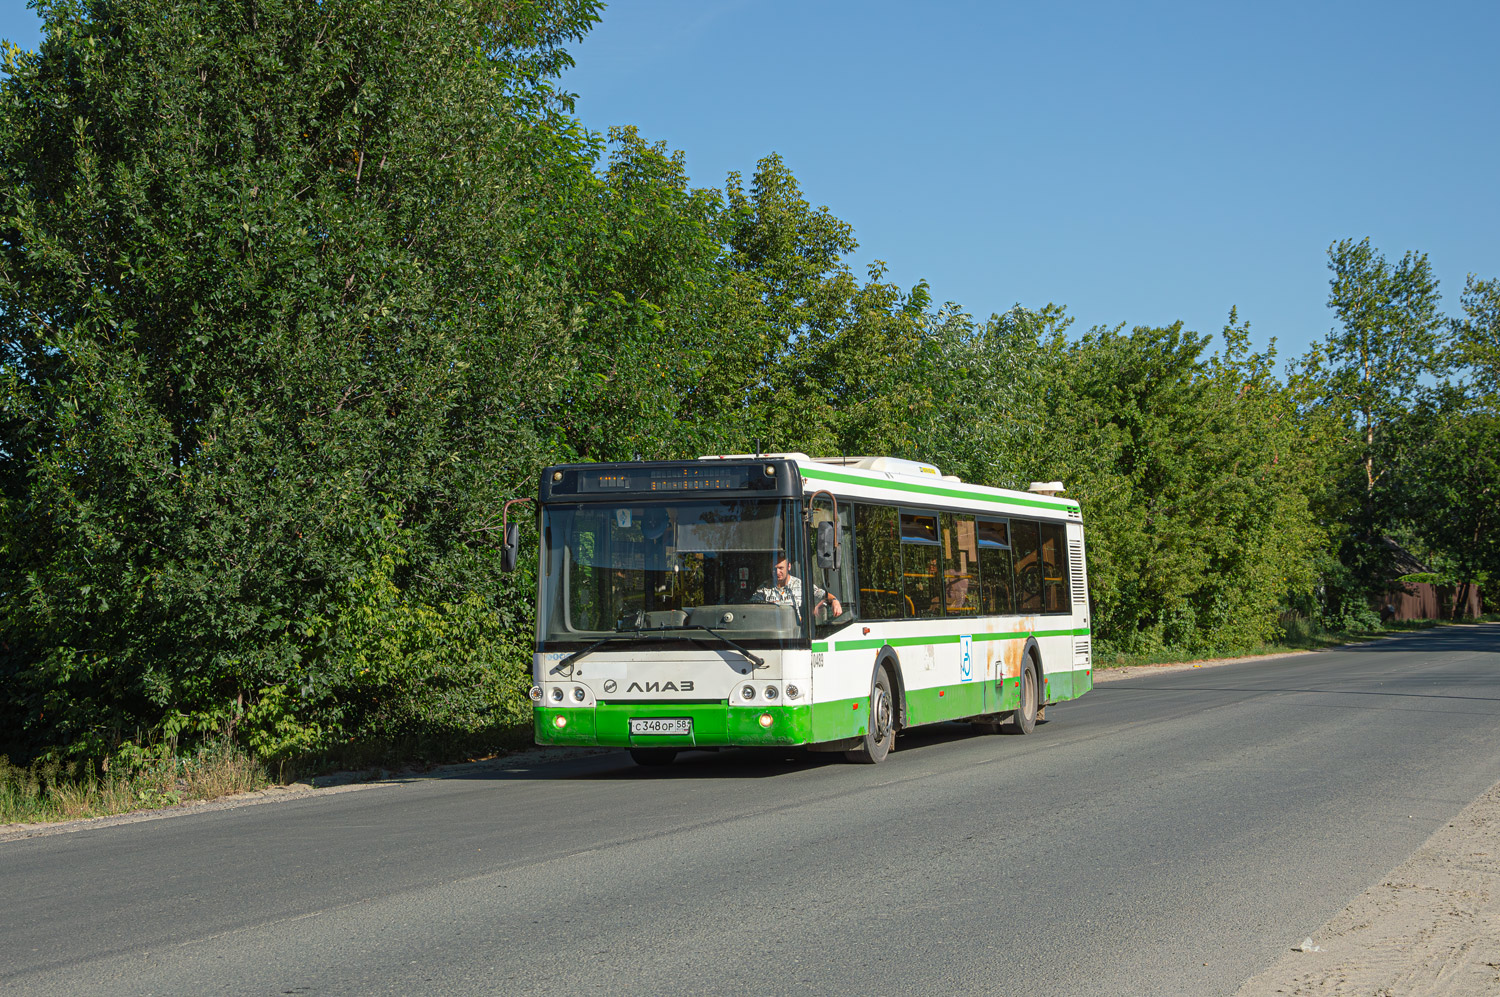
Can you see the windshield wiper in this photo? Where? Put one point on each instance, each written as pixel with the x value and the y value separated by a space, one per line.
pixel 755 658
pixel 641 632
pixel 568 661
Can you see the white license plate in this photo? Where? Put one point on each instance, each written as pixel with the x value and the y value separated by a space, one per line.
pixel 661 725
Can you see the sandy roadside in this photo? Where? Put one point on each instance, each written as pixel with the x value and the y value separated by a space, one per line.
pixel 1430 927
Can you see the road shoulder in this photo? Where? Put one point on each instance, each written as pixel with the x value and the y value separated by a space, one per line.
pixel 1432 926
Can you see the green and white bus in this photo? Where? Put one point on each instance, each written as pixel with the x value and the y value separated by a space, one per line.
pixel 663 623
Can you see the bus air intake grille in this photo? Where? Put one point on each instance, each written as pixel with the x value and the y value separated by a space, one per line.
pixel 1075 567
pixel 1080 650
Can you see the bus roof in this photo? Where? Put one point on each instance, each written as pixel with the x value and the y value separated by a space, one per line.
pixel 885 478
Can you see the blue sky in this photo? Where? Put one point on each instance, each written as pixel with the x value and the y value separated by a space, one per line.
pixel 1138 163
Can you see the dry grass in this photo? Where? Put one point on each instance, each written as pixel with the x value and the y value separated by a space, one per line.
pixel 54 791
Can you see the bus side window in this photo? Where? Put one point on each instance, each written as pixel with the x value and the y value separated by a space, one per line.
pixel 996 585
pixel 1026 542
pixel 960 565
pixel 1054 569
pixel 877 558
pixel 840 580
pixel 921 564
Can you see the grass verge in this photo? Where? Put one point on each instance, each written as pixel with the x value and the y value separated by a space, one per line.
pixel 416 751
pixel 1297 638
pixel 51 790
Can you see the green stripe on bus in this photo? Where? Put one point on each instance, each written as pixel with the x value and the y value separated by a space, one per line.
pixel 912 486
pixel 866 645
pixel 919 641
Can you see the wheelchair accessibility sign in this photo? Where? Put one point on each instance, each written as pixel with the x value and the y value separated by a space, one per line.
pixel 966 658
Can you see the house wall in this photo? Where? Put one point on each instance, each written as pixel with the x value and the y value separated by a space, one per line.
pixel 1427 602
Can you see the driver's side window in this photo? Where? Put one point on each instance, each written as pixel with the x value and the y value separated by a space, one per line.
pixel 838 581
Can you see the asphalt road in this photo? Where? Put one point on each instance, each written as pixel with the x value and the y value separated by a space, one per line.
pixel 1167 834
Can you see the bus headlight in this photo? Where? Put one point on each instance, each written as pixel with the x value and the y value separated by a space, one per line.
pixel 578 693
pixel 557 694
pixel 765 719
pixel 559 721
pixel 748 692
pixel 770 692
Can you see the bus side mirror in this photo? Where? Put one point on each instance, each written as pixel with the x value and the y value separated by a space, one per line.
pixel 512 536
pixel 510 547
pixel 828 551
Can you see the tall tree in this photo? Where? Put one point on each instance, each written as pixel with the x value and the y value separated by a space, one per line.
pixel 656 345
pixel 270 325
pixel 1476 337
pixel 790 260
pixel 1391 335
pixel 1367 374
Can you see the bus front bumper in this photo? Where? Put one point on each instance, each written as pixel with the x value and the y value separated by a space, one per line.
pixel 714 725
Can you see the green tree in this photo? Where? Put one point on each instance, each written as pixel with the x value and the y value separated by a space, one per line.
pixel 987 389
pixel 1450 491
pixel 1192 480
pixel 1391 336
pixel 789 258
pixel 269 280
pixel 1367 373
pixel 1476 337
pixel 834 368
pixel 862 388
pixel 653 349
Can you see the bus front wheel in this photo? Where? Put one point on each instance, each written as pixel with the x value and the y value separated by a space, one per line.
pixel 880 725
pixel 1023 721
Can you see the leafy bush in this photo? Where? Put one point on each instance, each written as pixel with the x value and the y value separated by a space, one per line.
pixel 1354 617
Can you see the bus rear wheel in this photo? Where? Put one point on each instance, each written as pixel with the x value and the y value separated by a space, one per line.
pixel 880 726
pixel 1023 721
pixel 653 757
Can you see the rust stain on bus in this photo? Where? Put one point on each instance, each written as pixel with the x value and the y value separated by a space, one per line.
pixel 1013 649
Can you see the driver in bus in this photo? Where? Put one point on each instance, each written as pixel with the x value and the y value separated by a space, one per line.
pixel 786 590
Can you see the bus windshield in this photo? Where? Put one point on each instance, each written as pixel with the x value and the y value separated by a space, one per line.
pixel 668 568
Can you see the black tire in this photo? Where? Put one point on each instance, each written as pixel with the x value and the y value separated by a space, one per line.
pixel 1023 720
pixel 880 727
pixel 653 757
